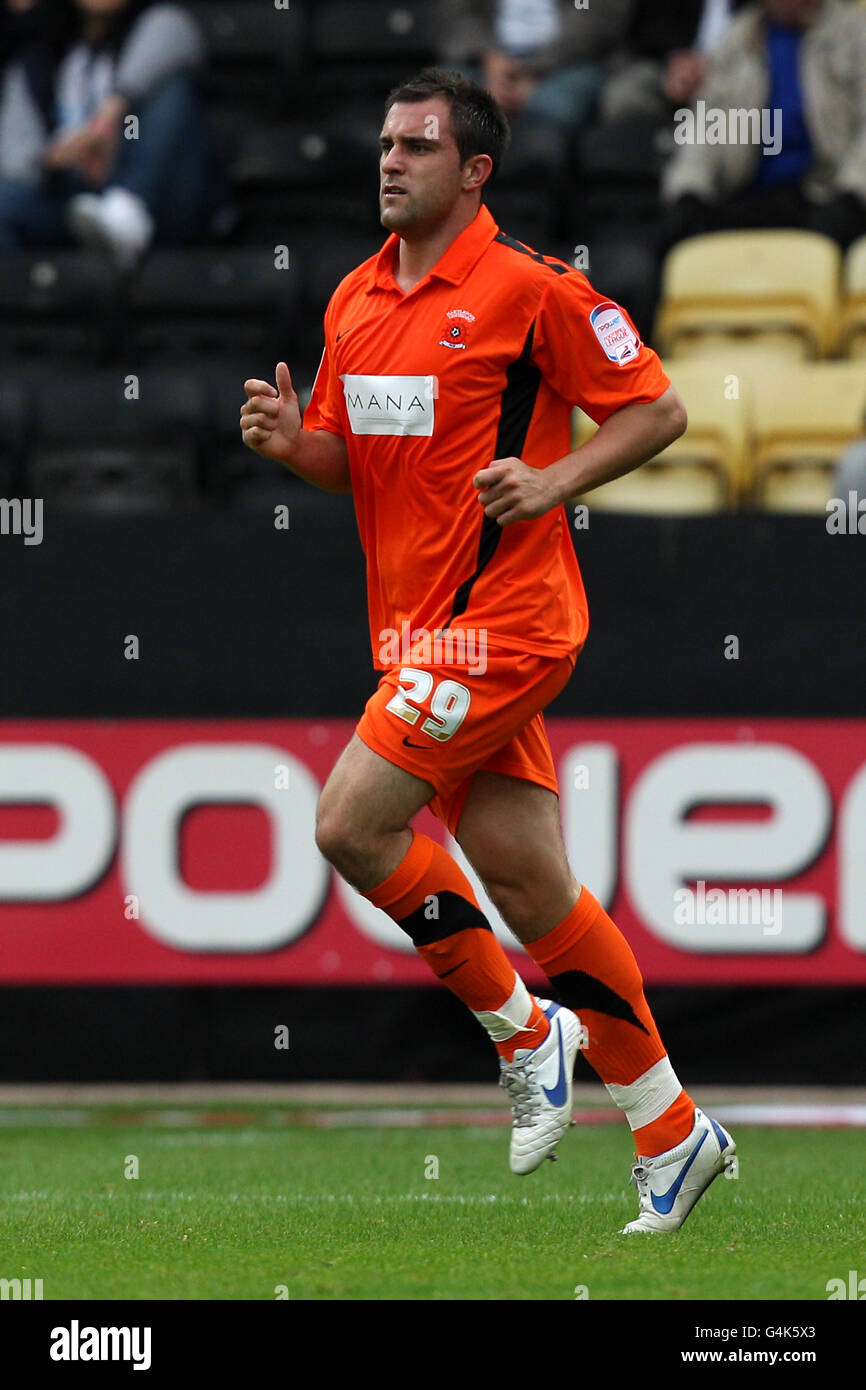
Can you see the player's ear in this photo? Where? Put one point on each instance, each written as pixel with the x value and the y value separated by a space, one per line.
pixel 476 171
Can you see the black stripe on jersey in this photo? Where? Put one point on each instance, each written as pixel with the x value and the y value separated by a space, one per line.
pixel 559 266
pixel 518 403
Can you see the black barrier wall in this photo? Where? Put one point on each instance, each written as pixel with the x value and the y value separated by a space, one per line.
pixel 235 617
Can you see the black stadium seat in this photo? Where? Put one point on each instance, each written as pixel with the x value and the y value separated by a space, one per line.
pixel 328 261
pixel 323 172
pixel 524 197
pixel 614 208
pixel 615 170
pixel 106 442
pixel 13 397
pixel 55 304
pixel 365 49
pixel 255 53
pixel 207 301
pixel 234 474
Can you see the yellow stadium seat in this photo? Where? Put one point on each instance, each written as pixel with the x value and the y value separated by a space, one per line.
pixel 803 417
pixel 778 287
pixel 779 345
pixel 853 334
pixel 703 471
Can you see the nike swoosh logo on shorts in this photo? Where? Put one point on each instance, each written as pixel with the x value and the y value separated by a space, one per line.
pixel 423 746
pixel 558 1093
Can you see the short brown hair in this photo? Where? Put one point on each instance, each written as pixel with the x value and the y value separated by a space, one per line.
pixel 478 123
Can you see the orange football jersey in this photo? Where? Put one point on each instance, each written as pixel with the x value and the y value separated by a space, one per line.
pixel 483 359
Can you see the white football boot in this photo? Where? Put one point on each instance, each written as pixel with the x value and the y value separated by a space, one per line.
pixel 669 1184
pixel 538 1082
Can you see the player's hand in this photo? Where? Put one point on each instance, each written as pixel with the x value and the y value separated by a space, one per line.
pixel 271 417
pixel 509 490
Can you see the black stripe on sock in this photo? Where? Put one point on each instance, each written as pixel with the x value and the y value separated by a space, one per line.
pixel 454 914
pixel 577 990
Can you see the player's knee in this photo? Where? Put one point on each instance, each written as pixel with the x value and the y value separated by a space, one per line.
pixel 508 891
pixel 344 842
pixel 332 833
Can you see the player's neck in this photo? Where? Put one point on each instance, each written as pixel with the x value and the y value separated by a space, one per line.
pixel 416 258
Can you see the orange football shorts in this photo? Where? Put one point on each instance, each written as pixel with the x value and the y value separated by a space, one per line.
pixel 445 722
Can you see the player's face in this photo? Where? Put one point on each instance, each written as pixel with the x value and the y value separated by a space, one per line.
pixel 420 174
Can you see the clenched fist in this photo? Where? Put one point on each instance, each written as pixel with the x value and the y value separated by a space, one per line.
pixel 271 417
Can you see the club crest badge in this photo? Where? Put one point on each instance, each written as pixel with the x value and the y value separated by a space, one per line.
pixel 454 330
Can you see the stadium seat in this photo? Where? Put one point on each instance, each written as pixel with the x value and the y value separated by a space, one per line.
pixel 233 473
pixel 614 174
pixel 256 54
pixel 328 261
pixel 853 334
pixel 12 403
pixel 303 172
pixel 366 49
pixel 55 304
pixel 204 301
pixel 745 285
pixel 108 440
pixel 525 194
pixel 703 471
pixel 803 417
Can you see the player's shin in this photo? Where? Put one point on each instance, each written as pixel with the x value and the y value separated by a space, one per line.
pixel 593 971
pixel 429 896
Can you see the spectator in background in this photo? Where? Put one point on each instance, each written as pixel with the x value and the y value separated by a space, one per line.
pixel 807 60
pixel 66 169
pixel 850 472
pixel 544 59
pixel 664 60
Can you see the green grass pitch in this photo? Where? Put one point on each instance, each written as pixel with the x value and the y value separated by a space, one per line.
pixel 261 1212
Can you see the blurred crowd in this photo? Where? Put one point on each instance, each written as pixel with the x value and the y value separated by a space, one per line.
pixel 75 70
pixel 622 121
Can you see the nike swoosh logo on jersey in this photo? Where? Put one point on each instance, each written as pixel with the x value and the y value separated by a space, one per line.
pixel 664 1202
pixel 558 1093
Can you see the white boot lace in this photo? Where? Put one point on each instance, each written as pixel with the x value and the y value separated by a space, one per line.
pixel 640 1175
pixel 518 1079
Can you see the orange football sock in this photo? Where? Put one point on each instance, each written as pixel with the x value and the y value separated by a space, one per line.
pixel 594 972
pixel 430 897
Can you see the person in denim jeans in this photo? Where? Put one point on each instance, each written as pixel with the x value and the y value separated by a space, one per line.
pixel 74 165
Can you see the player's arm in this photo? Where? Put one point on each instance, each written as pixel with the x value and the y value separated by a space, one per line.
pixel 627 438
pixel 509 490
pixel 271 426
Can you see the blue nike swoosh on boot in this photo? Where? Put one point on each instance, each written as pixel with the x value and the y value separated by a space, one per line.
pixel 665 1202
pixel 557 1095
